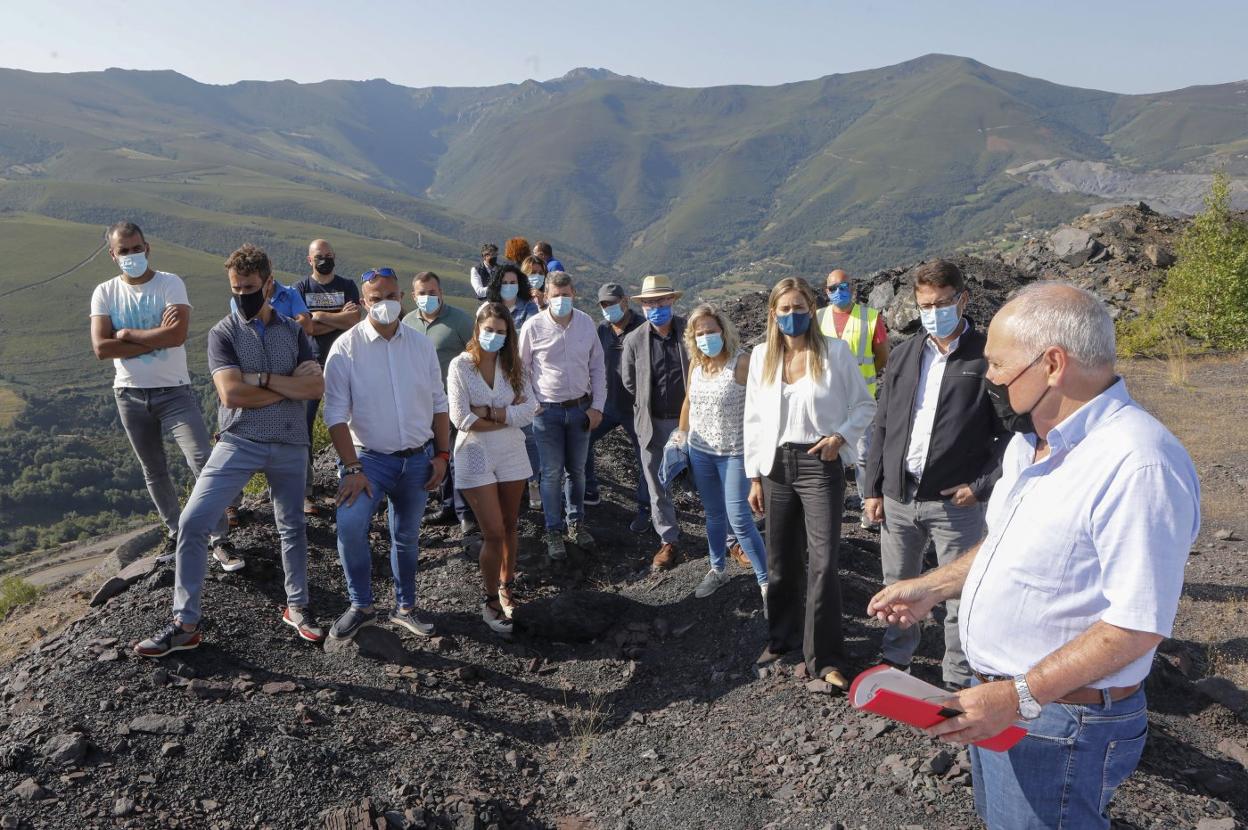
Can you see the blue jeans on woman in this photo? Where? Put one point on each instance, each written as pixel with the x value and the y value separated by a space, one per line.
pixel 1065 772
pixel 403 480
pixel 725 491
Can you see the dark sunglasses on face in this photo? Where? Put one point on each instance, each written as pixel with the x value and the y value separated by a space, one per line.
pixel 378 272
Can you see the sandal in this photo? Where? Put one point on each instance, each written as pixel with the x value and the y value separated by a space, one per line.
pixel 506 597
pixel 494 617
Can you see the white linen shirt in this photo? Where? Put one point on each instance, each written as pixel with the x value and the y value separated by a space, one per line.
pixel 926 399
pixel 1098 530
pixel 385 391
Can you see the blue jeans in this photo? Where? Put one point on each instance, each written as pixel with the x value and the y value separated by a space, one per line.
pixel 1064 773
pixel 403 480
pixel 610 421
pixel 725 491
pixel 233 462
pixel 146 414
pixel 562 435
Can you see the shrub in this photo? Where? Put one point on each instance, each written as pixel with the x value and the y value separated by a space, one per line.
pixel 15 591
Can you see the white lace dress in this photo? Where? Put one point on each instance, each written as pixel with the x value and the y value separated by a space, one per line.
pixel 483 458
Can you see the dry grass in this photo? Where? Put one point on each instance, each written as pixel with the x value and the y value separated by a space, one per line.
pixel 11 405
pixel 587 723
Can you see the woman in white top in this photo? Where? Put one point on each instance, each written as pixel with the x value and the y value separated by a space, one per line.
pixel 711 427
pixel 806 404
pixel 485 387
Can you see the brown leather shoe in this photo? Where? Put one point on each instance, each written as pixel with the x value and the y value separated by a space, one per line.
pixel 737 555
pixel 665 558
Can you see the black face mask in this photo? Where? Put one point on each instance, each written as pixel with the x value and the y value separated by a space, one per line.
pixel 491 261
pixel 324 265
pixel 999 394
pixel 249 304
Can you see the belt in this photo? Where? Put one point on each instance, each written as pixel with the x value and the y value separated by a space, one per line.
pixel 408 453
pixel 575 402
pixel 1087 696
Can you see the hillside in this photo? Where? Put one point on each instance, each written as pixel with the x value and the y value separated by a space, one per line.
pixel 622 703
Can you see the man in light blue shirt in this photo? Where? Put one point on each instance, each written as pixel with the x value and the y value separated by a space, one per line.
pixel 1079 576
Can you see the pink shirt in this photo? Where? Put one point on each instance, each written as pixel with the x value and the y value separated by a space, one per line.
pixel 564 362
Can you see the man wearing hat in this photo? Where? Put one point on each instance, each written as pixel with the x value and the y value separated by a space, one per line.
pixel 654 367
pixel 618 321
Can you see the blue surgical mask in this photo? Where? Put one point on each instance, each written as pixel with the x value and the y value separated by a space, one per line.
pixel 710 344
pixel 940 322
pixel 133 265
pixel 509 291
pixel 560 306
pixel 536 281
pixel 659 315
pixel 491 341
pixel 428 303
pixel 794 324
pixel 613 313
pixel 840 296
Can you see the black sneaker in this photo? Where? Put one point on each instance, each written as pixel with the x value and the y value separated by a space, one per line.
pixel 592 498
pixel 350 623
pixel 169 639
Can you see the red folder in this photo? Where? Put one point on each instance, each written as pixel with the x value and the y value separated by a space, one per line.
pixel 898 696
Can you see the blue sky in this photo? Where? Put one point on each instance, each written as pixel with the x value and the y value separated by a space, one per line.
pixel 1140 46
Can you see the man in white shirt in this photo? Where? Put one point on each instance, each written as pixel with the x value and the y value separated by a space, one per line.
pixel 1079 576
pixel 139 320
pixel 386 411
pixel 562 356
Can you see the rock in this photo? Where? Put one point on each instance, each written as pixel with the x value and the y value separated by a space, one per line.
pixel 881 296
pixel 819 687
pixel 308 716
pixel 875 728
pixel 1159 256
pixel 573 616
pixel 208 690
pixel 114 586
pixel 1235 750
pixel 160 725
pixel 371 643
pixel 280 687
pixel 649 755
pixel 8 821
pixel 127 576
pixel 170 749
pixel 1221 690
pixel 1216 824
pixel 123 806
pixel 30 790
pixel 65 750
pixel 1074 246
pixel 109 655
pixel 1226 535
pixel 938 764
pixel 800 671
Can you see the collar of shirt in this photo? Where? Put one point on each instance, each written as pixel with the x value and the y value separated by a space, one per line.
pixel 371 333
pixel 1068 434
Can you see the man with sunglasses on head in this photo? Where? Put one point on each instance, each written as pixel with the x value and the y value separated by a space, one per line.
pixel 449 328
pixel 334 303
pixel 935 452
pixel 386 410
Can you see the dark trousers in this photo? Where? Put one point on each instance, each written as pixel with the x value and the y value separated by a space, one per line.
pixel 804 498
pixel 610 421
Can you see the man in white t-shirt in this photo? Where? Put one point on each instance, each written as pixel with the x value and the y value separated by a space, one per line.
pixel 140 320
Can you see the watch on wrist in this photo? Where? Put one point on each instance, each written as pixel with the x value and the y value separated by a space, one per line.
pixel 1027 705
pixel 352 469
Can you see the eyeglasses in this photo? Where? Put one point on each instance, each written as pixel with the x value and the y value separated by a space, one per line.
pixel 379 272
pixel 945 303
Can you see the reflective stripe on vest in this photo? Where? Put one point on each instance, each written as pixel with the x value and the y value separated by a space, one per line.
pixel 857 334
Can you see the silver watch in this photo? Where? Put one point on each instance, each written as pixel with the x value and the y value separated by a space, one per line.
pixel 1027 705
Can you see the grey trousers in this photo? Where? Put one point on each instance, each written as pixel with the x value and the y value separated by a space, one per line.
pixel 662 511
pixel 903 539
pixel 146 414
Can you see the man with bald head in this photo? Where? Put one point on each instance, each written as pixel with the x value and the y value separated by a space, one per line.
pixel 862 329
pixel 334 303
pixel 1078 577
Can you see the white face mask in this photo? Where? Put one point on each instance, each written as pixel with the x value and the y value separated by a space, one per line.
pixel 133 265
pixel 385 312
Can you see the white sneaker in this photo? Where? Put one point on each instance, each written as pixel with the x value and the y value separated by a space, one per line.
pixel 535 496
pixel 712 582
pixel 224 555
pixel 495 620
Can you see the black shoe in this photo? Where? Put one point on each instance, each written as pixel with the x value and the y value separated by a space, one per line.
pixel 350 623
pixel 592 499
pixel 168 549
pixel 443 516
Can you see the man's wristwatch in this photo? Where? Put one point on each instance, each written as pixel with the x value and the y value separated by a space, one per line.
pixel 1027 705
pixel 352 469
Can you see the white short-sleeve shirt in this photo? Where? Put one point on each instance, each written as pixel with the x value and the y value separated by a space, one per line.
pixel 1099 530
pixel 142 307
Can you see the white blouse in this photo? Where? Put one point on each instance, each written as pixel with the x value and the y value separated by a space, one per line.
pixel 796 405
pixel 466 388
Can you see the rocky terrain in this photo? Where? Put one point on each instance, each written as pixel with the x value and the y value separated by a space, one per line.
pixel 622 702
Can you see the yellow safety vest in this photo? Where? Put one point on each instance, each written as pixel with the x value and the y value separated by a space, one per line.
pixel 858 332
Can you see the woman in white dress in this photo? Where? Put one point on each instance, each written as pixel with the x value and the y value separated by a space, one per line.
pixel 489 405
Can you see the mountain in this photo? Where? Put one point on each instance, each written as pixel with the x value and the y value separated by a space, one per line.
pixel 717 186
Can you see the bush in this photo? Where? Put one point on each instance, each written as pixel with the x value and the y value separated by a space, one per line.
pixel 1205 296
pixel 14 592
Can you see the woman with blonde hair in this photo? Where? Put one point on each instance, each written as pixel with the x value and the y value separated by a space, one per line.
pixel 806 404
pixel 535 269
pixel 486 388
pixel 711 426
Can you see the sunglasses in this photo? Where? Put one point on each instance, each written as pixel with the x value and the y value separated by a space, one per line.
pixel 379 272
